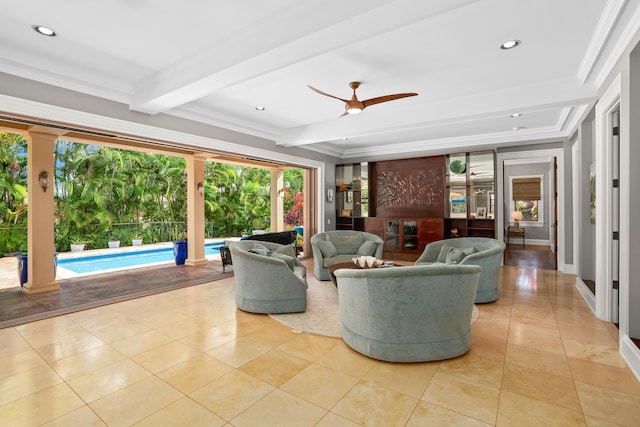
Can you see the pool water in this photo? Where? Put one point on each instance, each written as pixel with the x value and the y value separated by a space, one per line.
pixel 103 262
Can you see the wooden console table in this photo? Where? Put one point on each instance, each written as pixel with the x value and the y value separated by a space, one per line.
pixel 514 231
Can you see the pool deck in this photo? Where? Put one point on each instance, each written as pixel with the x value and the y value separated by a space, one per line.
pixel 9 265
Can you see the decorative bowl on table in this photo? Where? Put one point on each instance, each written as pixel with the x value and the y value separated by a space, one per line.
pixel 367 262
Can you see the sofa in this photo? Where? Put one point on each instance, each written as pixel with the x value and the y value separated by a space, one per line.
pixel 482 251
pixel 334 247
pixel 413 313
pixel 269 277
pixel 287 237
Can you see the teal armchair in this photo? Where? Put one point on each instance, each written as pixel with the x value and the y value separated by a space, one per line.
pixel 408 314
pixel 269 278
pixel 482 251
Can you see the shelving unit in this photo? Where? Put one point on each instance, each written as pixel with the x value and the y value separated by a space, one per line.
pixel 470 194
pixel 352 186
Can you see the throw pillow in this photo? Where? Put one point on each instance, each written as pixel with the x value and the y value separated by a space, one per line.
pixel 327 249
pixel 368 248
pixel 444 251
pixel 259 249
pixel 469 251
pixel 347 245
pixel 286 258
pixel 286 250
pixel 455 256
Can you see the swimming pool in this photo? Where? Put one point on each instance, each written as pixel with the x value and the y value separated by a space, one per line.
pixel 118 260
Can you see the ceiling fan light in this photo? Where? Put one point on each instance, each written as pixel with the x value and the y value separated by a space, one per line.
pixel 510 44
pixel 354 110
pixel 45 31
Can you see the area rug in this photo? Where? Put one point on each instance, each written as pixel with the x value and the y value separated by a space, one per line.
pixel 323 313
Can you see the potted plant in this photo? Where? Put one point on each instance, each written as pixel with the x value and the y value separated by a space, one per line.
pixel 77 244
pixel 136 239
pixel 114 243
pixel 179 249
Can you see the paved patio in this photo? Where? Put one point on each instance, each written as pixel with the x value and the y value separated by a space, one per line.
pixel 9 265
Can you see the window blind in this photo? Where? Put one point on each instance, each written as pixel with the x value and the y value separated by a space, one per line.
pixel 526 188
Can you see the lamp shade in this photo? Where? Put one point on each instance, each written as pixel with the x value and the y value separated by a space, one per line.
pixel 516 215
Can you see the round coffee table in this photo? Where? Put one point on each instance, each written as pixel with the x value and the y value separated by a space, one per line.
pixel 335 267
pixel 349 265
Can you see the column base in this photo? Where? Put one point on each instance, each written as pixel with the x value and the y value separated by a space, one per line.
pixel 196 262
pixel 29 288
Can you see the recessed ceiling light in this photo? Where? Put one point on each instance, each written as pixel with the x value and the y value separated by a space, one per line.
pixel 344 138
pixel 517 128
pixel 45 31
pixel 260 108
pixel 516 114
pixel 510 44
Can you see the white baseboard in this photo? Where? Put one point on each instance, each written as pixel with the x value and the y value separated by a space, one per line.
pixel 588 297
pixel 567 268
pixel 536 242
pixel 630 353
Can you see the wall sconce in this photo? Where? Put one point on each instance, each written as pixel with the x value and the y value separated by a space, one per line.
pixel 200 187
pixel 43 178
pixel 329 195
pixel 281 193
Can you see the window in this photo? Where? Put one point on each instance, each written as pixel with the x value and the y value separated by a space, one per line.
pixel 528 209
pixel 527 198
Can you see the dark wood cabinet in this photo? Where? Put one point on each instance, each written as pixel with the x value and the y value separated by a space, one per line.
pixel 350 223
pixel 405 238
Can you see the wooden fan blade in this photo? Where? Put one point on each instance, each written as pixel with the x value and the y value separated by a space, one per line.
pixel 386 98
pixel 326 94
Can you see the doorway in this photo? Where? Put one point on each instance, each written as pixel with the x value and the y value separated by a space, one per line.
pixel 544 238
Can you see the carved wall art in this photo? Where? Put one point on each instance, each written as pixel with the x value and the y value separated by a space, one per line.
pixel 410 187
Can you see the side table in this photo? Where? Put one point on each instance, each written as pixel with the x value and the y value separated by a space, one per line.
pixel 515 231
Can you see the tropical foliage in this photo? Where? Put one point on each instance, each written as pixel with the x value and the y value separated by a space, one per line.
pixel 105 194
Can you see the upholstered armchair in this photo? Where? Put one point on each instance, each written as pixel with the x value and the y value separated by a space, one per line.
pixel 269 278
pixel 408 314
pixel 482 251
pixel 334 247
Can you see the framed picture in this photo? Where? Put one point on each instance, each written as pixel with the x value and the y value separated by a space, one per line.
pixel 481 213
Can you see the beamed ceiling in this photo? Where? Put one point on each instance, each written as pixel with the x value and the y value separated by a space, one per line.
pixel 216 61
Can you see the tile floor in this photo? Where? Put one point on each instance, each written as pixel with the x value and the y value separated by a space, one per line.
pixel 188 357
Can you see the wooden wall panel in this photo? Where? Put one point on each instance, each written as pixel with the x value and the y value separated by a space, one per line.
pixel 410 187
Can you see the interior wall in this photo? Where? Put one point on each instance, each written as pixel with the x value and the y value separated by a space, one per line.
pixel 634 193
pixel 568 203
pixel 586 229
pixel 532 233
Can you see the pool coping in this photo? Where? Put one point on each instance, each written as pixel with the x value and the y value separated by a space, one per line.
pixel 63 273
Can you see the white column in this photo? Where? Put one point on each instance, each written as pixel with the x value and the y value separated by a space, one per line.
pixel 41 267
pixel 195 211
pixel 277 203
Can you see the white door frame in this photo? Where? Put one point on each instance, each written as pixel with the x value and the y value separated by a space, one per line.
pixel 535 156
pixel 609 102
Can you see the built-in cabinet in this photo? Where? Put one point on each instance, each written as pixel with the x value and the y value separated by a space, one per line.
pixel 352 196
pixel 470 195
pixel 405 235
pixel 412 202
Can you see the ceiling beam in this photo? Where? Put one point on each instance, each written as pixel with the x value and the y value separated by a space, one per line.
pixel 291 40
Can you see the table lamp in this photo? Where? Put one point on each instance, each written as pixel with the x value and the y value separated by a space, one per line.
pixel 516 216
